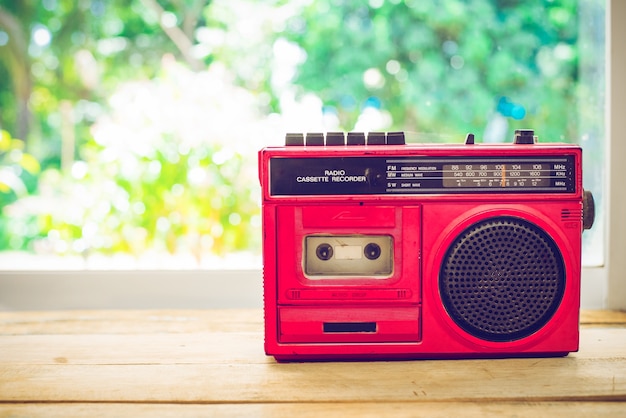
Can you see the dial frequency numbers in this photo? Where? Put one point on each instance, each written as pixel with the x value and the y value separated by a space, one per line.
pixel 501 175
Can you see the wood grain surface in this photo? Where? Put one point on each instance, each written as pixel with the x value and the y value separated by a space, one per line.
pixel 211 363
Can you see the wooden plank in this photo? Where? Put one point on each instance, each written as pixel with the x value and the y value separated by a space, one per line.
pixel 94 349
pixel 130 322
pixel 598 317
pixel 136 362
pixel 551 379
pixel 315 410
pixel 177 321
pixel 204 347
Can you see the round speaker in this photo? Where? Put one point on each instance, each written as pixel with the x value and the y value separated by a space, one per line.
pixel 502 279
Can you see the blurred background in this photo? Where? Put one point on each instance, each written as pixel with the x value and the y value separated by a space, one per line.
pixel 129 129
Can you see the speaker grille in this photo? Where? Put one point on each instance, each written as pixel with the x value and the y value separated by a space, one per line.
pixel 502 279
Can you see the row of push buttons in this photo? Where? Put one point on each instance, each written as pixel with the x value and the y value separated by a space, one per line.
pixel 340 138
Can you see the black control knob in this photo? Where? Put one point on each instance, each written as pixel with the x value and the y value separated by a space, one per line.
pixel 589 209
pixel 293 139
pixel 376 138
pixel 356 138
pixel 524 136
pixel 335 138
pixel 395 138
pixel 314 139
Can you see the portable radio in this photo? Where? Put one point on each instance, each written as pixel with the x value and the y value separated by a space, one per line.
pixel 378 249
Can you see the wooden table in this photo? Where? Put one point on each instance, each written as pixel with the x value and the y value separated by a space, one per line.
pixel 197 363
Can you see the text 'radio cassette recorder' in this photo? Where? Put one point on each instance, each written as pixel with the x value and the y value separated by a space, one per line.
pixel 374 248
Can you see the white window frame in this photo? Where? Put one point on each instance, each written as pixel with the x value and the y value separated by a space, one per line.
pixel 614 270
pixel 603 287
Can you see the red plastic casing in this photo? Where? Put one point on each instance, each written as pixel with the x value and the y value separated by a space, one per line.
pixel 410 319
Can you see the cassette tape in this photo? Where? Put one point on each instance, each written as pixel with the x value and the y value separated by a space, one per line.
pixel 327 256
pixel 378 249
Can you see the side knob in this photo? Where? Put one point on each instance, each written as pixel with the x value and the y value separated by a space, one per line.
pixel 589 209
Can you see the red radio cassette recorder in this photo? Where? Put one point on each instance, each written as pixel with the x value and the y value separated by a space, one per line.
pixel 374 248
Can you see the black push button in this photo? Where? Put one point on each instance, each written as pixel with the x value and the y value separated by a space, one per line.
pixel 292 139
pixel 376 138
pixel 469 139
pixel 356 138
pixel 524 136
pixel 335 138
pixel 395 138
pixel 314 139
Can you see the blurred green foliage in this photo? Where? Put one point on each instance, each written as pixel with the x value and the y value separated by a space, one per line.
pixel 444 66
pixel 18 175
pixel 90 87
pixel 146 182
